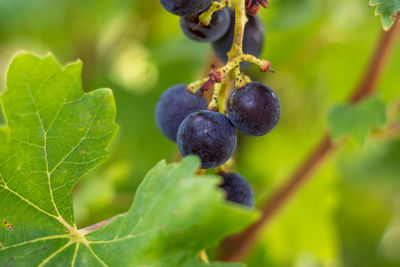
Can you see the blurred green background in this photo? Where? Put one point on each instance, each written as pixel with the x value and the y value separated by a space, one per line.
pixel 348 215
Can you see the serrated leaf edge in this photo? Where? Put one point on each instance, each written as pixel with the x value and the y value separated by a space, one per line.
pixel 74 236
pixel 372 3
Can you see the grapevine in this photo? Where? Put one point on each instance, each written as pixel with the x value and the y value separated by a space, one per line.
pixel 55 129
pixel 237 103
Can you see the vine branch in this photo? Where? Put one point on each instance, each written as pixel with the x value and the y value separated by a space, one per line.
pixel 237 247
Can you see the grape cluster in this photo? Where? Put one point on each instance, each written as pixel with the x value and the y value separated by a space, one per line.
pixel 182 117
pixel 254 110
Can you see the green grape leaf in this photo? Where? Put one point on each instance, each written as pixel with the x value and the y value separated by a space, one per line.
pixel 357 120
pixel 387 9
pixel 55 134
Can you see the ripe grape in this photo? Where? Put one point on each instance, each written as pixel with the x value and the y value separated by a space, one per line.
pixel 173 106
pixel 192 27
pixel 237 189
pixel 255 109
pixel 185 7
pixel 209 135
pixel 253 38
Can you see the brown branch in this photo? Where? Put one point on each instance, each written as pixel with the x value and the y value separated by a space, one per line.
pixel 237 247
pixel 371 76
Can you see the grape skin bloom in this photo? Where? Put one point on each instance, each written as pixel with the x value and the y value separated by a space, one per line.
pixel 185 7
pixel 209 135
pixel 255 109
pixel 173 106
pixel 237 189
pixel 193 29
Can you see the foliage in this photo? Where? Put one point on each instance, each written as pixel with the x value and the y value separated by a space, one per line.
pixel 318 49
pixel 358 119
pixel 55 134
pixel 388 10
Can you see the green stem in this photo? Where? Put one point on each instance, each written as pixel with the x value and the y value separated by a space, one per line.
pixel 240 22
pixel 222 78
pixel 205 17
pixel 195 86
pixel 203 256
pixel 214 104
pixel 224 93
pixel 233 65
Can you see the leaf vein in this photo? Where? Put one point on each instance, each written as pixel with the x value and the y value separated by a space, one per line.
pixel 44 146
pixel 80 141
pixel 58 251
pixel 96 256
pixel 75 254
pixel 36 240
pixel 28 202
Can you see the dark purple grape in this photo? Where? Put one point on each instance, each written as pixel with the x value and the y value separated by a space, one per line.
pixel 196 31
pixel 255 109
pixel 253 38
pixel 209 135
pixel 185 7
pixel 173 106
pixel 237 189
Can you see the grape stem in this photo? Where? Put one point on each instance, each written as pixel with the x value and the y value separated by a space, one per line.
pixel 237 247
pixel 203 256
pixel 214 104
pixel 240 22
pixel 216 76
pixel 221 78
pixel 205 17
